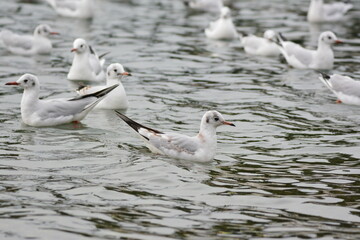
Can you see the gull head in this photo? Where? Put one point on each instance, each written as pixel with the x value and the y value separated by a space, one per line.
pixel 116 71
pixel 26 81
pixel 225 12
pixel 44 30
pixel 270 35
pixel 214 119
pixel 329 38
pixel 79 46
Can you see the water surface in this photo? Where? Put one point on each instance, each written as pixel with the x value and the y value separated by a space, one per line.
pixel 289 170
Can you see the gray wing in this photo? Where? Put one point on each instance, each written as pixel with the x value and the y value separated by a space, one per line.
pixel 173 141
pixel 345 85
pixel 301 54
pixel 63 108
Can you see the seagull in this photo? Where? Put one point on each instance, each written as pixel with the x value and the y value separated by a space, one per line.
pixel 51 112
pixel 205 5
pixel 346 89
pixel 320 12
pixel 39 43
pixel 116 99
pixel 223 28
pixel 86 65
pixel 299 57
pixel 265 46
pixel 200 148
pixel 73 8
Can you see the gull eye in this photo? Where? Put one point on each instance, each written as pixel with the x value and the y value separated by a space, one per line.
pixel 25 81
pixel 82 45
pixel 329 37
pixel 115 70
pixel 216 119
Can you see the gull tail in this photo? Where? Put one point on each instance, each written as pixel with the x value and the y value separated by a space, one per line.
pixel 136 126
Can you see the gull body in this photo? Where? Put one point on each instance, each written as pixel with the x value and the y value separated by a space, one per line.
pixel 86 64
pixel 263 46
pixel 223 28
pixel 116 99
pixel 302 58
pixel 346 89
pixel 51 112
pixel 38 43
pixel 200 148
pixel 320 12
pixel 205 5
pixel 73 8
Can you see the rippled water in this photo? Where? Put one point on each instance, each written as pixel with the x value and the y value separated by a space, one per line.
pixel 289 170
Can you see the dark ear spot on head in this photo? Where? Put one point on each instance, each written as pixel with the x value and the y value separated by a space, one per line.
pixel 33 84
pixel 108 73
pixel 207 119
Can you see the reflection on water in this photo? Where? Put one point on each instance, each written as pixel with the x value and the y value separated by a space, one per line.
pixel 290 169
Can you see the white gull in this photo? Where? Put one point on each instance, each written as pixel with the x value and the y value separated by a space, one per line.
pixel 223 28
pixel 320 12
pixel 299 57
pixel 200 148
pixel 86 65
pixel 263 46
pixel 51 112
pixel 38 43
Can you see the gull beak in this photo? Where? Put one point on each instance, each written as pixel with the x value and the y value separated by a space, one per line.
pixel 228 123
pixel 125 74
pixel 73 50
pixel 54 33
pixel 338 41
pixel 11 83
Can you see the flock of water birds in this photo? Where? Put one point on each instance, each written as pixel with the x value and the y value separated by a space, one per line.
pixel 88 65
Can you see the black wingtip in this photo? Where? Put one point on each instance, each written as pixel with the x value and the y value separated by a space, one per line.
pixel 134 125
pixel 280 38
pixel 97 94
pixel 91 50
pixel 324 75
pixel 103 55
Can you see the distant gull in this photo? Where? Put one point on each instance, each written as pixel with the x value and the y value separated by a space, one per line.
pixel 86 65
pixel 205 5
pixel 320 12
pixel 263 46
pixel 51 112
pixel 116 99
pixel 73 8
pixel 346 89
pixel 299 57
pixel 223 28
pixel 200 148
pixel 38 43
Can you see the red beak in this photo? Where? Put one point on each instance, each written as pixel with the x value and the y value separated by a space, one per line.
pixel 125 74
pixel 228 123
pixel 73 50
pixel 338 41
pixel 11 83
pixel 54 33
